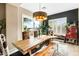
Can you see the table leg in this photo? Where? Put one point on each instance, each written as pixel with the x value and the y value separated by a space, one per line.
pixel 57 47
pixel 30 52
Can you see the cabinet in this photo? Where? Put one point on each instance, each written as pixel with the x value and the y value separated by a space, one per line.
pixel 25 35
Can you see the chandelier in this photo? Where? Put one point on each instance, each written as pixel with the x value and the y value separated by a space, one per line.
pixel 40 15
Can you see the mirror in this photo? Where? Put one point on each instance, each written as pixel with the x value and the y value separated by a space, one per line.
pixel 29 26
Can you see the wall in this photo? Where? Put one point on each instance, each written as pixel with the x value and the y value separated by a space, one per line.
pixel 13 23
pixel 72 15
pixel 2 18
pixel 2 10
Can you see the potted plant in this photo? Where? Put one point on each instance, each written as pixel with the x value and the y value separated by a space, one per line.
pixel 43 29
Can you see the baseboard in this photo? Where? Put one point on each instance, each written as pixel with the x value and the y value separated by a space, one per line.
pixel 13 51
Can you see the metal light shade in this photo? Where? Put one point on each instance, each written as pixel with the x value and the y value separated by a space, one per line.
pixel 40 15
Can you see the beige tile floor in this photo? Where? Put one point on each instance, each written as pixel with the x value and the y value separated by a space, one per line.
pixel 67 49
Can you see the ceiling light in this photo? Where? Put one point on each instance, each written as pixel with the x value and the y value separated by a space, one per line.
pixel 40 15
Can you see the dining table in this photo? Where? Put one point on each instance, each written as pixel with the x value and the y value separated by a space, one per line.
pixel 25 46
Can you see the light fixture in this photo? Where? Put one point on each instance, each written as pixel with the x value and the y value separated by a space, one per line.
pixel 40 15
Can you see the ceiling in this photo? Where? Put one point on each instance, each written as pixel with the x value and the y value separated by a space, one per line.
pixel 51 8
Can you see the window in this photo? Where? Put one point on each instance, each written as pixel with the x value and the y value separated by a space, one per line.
pixel 58 25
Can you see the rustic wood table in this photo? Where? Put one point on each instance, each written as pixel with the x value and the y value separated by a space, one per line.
pixel 27 45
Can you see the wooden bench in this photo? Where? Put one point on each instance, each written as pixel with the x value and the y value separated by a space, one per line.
pixel 47 51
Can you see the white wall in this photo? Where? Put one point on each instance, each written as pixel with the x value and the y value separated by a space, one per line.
pixel 11 25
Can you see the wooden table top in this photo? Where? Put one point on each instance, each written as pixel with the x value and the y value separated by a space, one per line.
pixel 24 45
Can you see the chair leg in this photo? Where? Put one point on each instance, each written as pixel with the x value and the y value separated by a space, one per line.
pixel 65 40
pixel 75 42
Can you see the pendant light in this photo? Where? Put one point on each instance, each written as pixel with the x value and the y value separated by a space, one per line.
pixel 40 15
